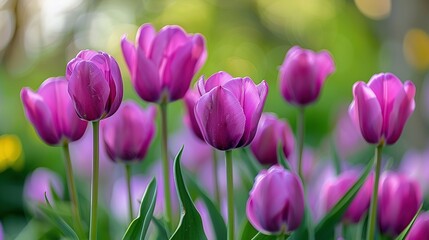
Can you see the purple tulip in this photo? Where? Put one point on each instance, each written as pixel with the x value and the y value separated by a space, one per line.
pixel 51 112
pixel 381 107
pixel 229 109
pixel 41 181
pixel 420 229
pixel 276 201
pixel 415 164
pixel 348 139
pixel 163 64
pixel 128 134
pixel 272 132
pixel 399 198
pixel 95 84
pixel 191 99
pixel 303 73
pixel 336 189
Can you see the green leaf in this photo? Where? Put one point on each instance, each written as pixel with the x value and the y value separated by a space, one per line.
pixel 162 231
pixel 405 232
pixel 335 158
pixel 251 163
pixel 138 227
pixel 261 236
pixel 281 158
pixel 325 228
pixel 248 231
pixel 190 225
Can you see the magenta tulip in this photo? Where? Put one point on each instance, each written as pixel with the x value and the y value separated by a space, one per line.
pixel 272 132
pixel 95 85
pixel 381 108
pixel 191 99
pixel 276 201
pixel 51 112
pixel 336 189
pixel 303 73
pixel 229 109
pixel 420 229
pixel 399 198
pixel 128 134
pixel 163 64
pixel 41 181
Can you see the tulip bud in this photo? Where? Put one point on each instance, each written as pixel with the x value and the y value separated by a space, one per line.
pixel 420 228
pixel 272 132
pixel 163 64
pixel 51 112
pixel 276 201
pixel 399 198
pixel 381 108
pixel 229 109
pixel 95 85
pixel 302 75
pixel 128 134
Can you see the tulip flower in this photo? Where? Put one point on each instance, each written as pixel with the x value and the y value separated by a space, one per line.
pixel 276 201
pixel 381 108
pixel 95 85
pixel 348 139
pixel 51 112
pixel 302 75
pixel 39 182
pixel 399 200
pixel 191 99
pixel 420 228
pixel 270 133
pixel 336 189
pixel 163 64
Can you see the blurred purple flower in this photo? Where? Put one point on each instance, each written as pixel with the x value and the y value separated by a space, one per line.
pixel 270 133
pixel 95 84
pixel 37 183
pixel 303 73
pixel 205 216
pixel 381 108
pixel 127 135
pixel 191 99
pixel 229 109
pixel 416 165
pixel 163 64
pixel 276 201
pixel 420 229
pixel 308 163
pixel 348 139
pixel 51 112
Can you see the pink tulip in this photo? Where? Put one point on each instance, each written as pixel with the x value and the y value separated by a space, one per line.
pixel 163 64
pixel 303 73
pixel 381 108
pixel 191 99
pixel 51 112
pixel 41 181
pixel 420 229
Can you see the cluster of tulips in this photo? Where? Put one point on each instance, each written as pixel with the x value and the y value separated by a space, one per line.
pixel 226 113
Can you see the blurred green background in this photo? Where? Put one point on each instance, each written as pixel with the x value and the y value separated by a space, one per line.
pixel 244 38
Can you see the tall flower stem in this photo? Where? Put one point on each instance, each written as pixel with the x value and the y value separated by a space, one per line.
pixel 130 201
pixel 72 189
pixel 230 191
pixel 374 198
pixel 300 132
pixel 165 163
pixel 216 178
pixel 94 182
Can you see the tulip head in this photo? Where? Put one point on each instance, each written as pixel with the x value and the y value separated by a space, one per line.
pixel 229 110
pixel 303 73
pixel 191 99
pixel 420 229
pixel 276 201
pixel 381 108
pixel 51 112
pixel 95 85
pixel 163 64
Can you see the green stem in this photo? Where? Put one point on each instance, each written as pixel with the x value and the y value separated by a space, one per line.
pixel 72 189
pixel 216 178
pixel 300 132
pixel 94 182
pixel 130 201
pixel 165 164
pixel 373 206
pixel 230 190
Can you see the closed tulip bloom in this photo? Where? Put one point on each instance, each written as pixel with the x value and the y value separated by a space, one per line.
pixel 229 110
pixel 381 107
pixel 276 201
pixel 337 188
pixel 163 64
pixel 191 99
pixel 95 85
pixel 303 73
pixel 399 198
pixel 128 134
pixel 51 112
pixel 420 229
pixel 272 132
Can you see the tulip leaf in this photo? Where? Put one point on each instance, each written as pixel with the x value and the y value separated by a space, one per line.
pixel 251 163
pixel 325 228
pixel 261 236
pixel 405 232
pixel 281 158
pixel 248 231
pixel 138 227
pixel 190 225
pixel 162 231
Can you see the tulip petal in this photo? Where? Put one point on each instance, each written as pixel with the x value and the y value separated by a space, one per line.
pixel 116 88
pixel 217 79
pixel 325 65
pixel 219 109
pixel 145 36
pixel 129 53
pixel 190 100
pixel 146 79
pixel 165 44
